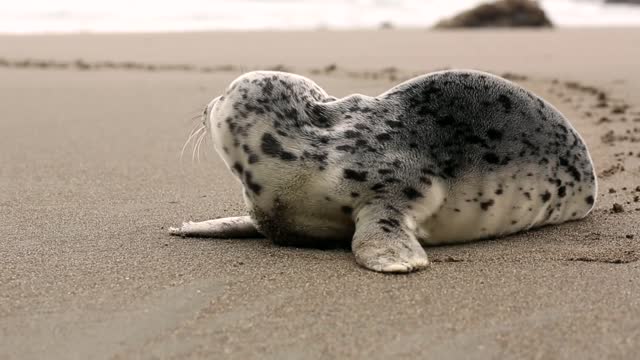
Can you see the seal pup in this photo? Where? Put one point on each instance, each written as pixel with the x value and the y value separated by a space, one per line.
pixel 446 157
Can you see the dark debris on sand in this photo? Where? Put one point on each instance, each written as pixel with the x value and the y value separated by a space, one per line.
pixel 617 208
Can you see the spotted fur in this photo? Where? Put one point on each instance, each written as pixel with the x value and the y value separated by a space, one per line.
pixel 447 157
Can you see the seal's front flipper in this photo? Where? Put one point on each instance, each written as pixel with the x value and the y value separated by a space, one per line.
pixel 382 242
pixel 231 227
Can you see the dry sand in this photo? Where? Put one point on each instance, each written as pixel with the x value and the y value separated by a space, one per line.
pixel 90 179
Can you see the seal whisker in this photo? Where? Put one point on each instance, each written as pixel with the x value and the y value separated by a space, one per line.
pixel 194 129
pixel 196 145
pixel 189 139
pixel 193 150
pixel 197 114
pixel 199 145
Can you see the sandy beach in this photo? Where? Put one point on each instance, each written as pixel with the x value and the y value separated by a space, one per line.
pixel 91 128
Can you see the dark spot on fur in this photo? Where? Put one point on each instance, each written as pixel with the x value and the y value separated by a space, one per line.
pixel 494 134
pixel 391 208
pixel 385 171
pixel 505 102
pixel 354 194
pixel 486 204
pixel 562 191
pixel 491 158
pixel 254 187
pixel 499 192
pixel 347 210
pixel 589 199
pixel 389 222
pixel 378 187
pixel 411 193
pixel 355 175
pixel 574 172
pixel 237 167
pixel 383 137
pixel 351 134
pixel 319 117
pixel 253 158
pixel 545 196
pixel 394 124
pixel 272 147
pixel 320 157
pixel 361 142
pixel 346 148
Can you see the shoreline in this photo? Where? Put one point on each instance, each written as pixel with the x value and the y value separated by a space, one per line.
pixel 413 50
pixel 321 29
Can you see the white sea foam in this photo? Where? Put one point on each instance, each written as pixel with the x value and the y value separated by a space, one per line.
pixel 29 16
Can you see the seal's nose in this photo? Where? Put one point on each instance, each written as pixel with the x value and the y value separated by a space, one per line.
pixel 205 115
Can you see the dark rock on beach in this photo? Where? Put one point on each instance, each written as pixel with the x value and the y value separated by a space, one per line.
pixel 502 13
pixel 632 2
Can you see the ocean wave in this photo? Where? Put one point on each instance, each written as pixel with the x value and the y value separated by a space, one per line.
pixel 33 16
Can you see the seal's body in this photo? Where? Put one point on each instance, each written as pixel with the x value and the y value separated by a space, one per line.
pixel 447 157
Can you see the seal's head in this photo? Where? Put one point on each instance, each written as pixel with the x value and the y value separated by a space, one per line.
pixel 267 110
pixel 280 101
pixel 269 128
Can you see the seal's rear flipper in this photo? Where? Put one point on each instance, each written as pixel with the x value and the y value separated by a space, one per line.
pixel 231 227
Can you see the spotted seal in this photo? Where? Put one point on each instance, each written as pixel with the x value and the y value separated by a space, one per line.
pixel 446 157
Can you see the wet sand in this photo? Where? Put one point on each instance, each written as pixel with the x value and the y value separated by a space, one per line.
pixel 91 128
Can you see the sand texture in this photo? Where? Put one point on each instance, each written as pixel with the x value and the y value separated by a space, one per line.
pixel 91 128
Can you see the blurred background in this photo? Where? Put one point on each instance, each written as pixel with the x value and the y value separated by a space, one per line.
pixel 37 16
